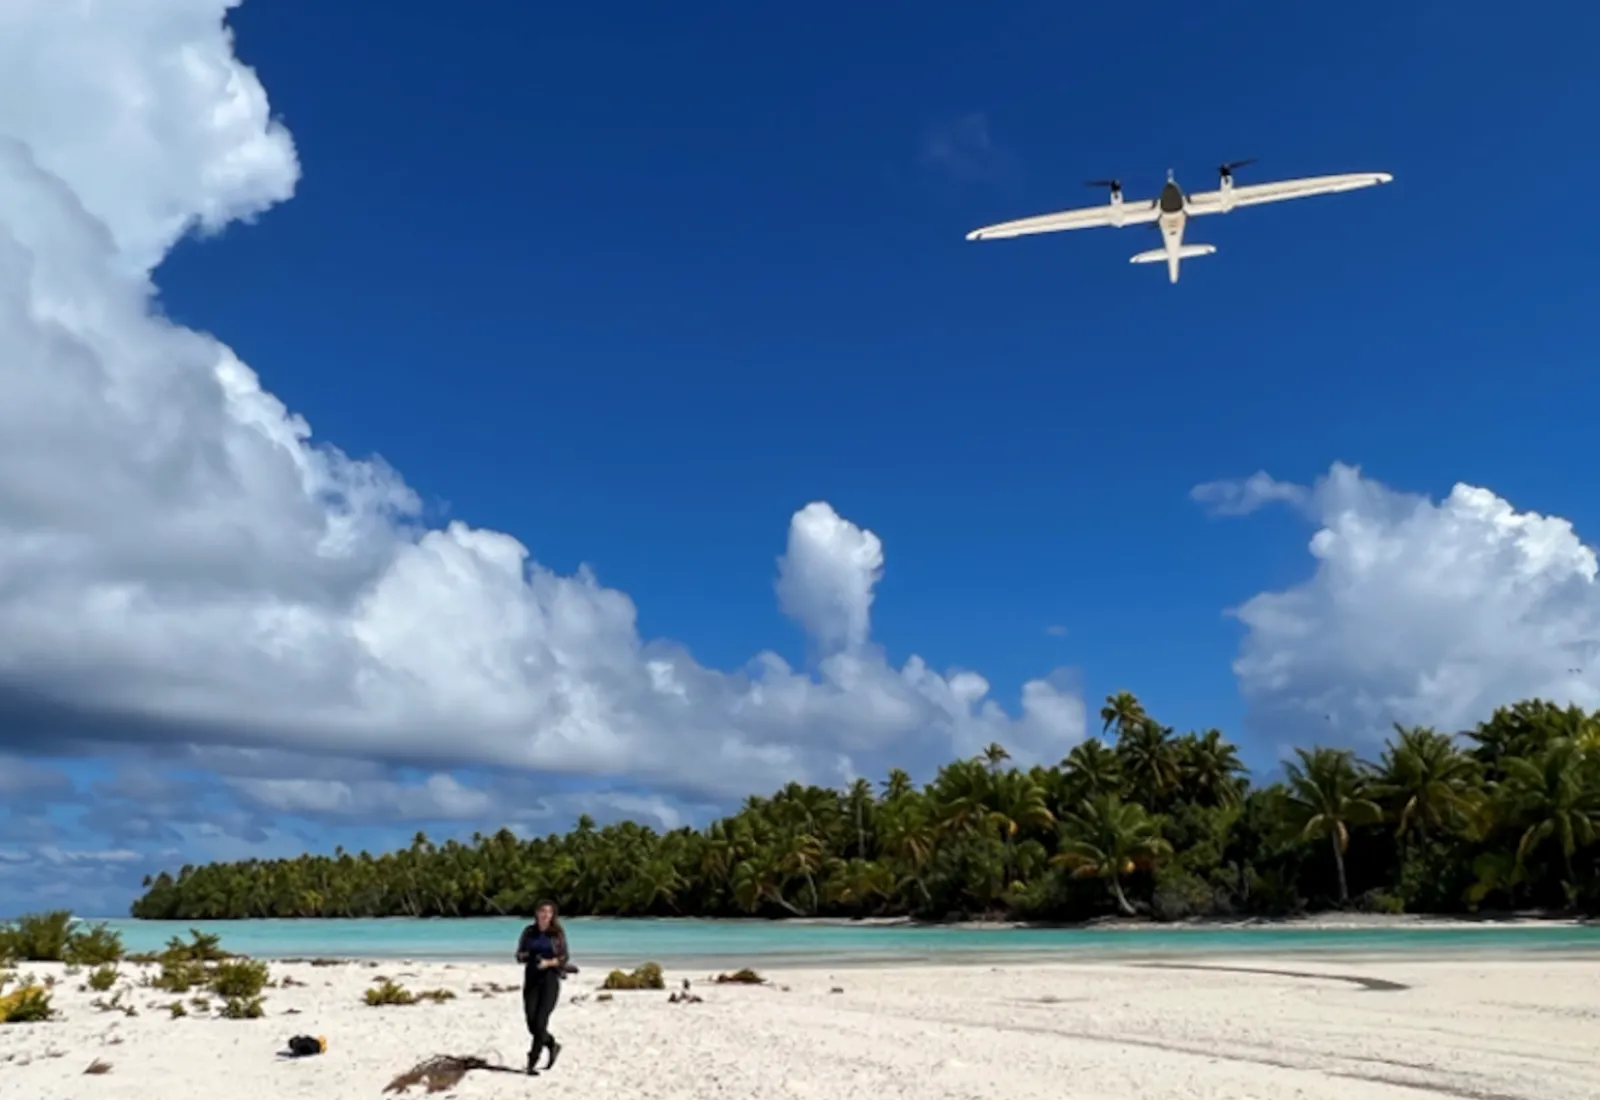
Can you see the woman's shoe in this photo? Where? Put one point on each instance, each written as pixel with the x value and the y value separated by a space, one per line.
pixel 555 1051
pixel 533 1069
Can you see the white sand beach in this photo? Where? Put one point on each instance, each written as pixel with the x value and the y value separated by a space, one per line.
pixel 1477 1030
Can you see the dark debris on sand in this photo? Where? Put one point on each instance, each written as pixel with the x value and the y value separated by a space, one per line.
pixel 442 1072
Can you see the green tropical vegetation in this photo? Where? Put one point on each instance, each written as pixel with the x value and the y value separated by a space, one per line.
pixel 52 937
pixel 1139 820
pixel 199 963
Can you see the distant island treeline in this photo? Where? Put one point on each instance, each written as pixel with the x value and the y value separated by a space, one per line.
pixel 1139 821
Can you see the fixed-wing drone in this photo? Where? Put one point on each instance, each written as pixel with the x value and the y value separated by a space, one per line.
pixel 1172 209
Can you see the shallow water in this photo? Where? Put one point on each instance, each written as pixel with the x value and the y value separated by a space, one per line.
pixel 598 940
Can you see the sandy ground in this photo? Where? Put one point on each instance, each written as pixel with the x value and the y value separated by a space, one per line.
pixel 1477 1030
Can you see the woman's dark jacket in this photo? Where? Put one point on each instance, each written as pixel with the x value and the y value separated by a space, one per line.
pixel 531 937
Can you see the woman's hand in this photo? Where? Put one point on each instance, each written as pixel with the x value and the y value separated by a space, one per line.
pixel 522 956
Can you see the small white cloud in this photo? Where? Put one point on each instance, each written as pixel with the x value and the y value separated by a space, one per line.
pixel 1241 497
pixel 632 807
pixel 439 797
pixel 50 853
pixel 826 577
pixel 1056 630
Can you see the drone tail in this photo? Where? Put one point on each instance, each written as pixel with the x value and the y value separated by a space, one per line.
pixel 1183 252
pixel 1186 252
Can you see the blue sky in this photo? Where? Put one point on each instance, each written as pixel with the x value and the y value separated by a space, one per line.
pixel 634 284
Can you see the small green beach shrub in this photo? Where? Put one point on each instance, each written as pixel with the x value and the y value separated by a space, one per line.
pixel 203 947
pixel 242 1008
pixel 238 978
pixel 179 976
pixel 389 992
pixel 648 976
pixel 29 1004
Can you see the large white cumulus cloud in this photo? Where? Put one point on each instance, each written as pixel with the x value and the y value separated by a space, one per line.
pixel 179 562
pixel 143 108
pixel 1417 611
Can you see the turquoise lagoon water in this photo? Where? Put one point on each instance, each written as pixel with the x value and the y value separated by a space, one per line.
pixel 600 941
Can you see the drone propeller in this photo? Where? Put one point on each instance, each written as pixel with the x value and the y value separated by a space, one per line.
pixel 1226 170
pixel 1115 185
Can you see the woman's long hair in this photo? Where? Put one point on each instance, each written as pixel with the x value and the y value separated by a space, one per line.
pixel 555 928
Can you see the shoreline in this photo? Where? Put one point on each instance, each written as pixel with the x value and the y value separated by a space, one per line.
pixel 1327 921
pixel 602 942
pixel 1330 920
pixel 706 966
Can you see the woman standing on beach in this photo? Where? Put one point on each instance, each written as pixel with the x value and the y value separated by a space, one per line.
pixel 543 952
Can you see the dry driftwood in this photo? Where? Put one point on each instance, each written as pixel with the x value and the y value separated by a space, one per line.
pixel 443 1071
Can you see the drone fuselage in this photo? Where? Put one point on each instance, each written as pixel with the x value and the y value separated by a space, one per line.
pixel 1172 207
pixel 1174 216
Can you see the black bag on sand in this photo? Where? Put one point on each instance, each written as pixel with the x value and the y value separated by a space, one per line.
pixel 303 1046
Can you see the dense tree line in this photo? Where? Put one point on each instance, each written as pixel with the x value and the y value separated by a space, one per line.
pixel 1139 820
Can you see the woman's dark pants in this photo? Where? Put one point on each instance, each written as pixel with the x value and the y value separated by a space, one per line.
pixel 540 989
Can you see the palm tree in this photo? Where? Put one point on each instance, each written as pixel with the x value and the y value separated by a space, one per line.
pixel 760 880
pixel 961 790
pixel 908 831
pixel 1122 710
pixel 656 882
pixel 1092 768
pixel 860 802
pixel 1109 838
pixel 860 884
pixel 1150 761
pixel 995 754
pixel 804 855
pixel 1019 806
pixel 1210 769
pixel 1325 798
pixel 897 785
pixel 1529 727
pixel 1426 781
pixel 1554 799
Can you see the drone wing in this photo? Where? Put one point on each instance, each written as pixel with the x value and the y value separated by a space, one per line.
pixel 1087 217
pixel 1217 202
